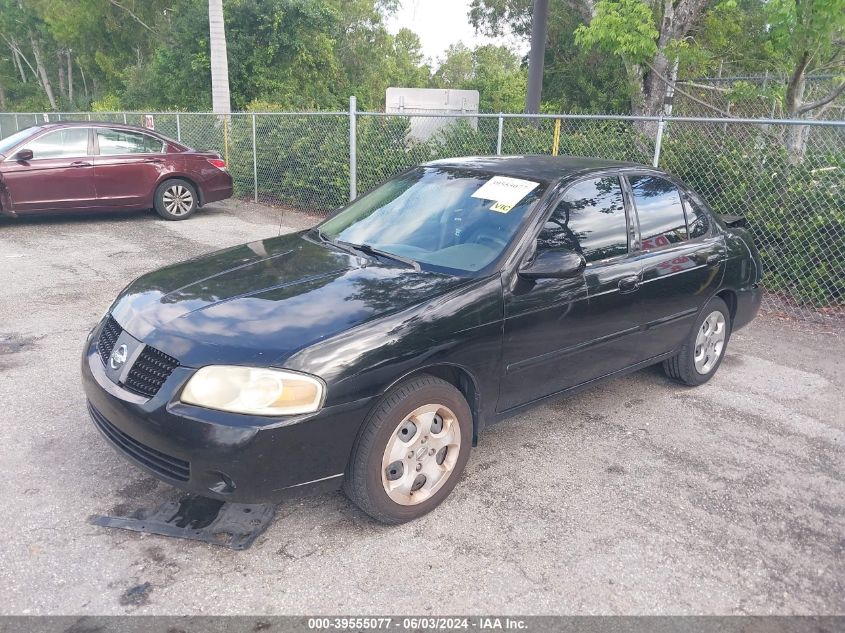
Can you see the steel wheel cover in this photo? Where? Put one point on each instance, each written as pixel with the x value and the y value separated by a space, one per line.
pixel 410 472
pixel 709 342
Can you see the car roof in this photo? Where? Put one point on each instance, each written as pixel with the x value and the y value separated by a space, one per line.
pixel 534 166
pixel 111 124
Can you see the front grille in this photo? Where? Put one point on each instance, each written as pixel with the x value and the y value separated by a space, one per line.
pixel 149 372
pixel 108 337
pixel 160 463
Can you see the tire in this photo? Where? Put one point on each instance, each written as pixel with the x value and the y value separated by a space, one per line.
pixel 701 354
pixel 425 424
pixel 175 199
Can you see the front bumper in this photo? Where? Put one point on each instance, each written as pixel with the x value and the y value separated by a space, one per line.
pixel 218 454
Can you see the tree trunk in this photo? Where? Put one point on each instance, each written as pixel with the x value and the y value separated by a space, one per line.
pixel 19 64
pixel 69 78
pixel 2 97
pixel 61 66
pixel 220 99
pixel 84 83
pixel 796 135
pixel 42 72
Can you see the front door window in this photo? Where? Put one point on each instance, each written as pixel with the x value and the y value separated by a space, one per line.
pixel 590 219
pixel 67 143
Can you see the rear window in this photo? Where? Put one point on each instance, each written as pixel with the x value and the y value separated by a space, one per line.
pixel 117 142
pixel 659 210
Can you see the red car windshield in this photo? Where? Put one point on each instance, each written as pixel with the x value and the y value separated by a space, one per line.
pixel 10 141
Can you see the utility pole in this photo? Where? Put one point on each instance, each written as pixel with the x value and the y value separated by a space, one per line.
pixel 539 24
pixel 221 103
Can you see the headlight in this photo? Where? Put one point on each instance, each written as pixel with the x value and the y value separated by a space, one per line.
pixel 252 390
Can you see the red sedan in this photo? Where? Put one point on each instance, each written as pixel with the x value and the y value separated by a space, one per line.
pixel 58 167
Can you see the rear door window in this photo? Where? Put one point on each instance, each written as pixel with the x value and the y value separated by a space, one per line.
pixel 659 210
pixel 67 143
pixel 590 219
pixel 119 142
pixel 698 217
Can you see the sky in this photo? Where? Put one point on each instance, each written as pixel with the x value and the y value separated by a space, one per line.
pixel 440 23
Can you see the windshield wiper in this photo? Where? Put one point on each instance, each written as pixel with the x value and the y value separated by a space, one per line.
pixel 372 251
pixel 346 247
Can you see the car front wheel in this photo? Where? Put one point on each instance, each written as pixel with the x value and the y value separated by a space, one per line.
pixel 704 349
pixel 175 199
pixel 410 451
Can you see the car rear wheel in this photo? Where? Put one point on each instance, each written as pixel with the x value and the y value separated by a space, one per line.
pixel 175 199
pixel 410 451
pixel 704 349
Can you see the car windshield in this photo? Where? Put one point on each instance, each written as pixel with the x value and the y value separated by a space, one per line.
pixel 446 218
pixel 10 141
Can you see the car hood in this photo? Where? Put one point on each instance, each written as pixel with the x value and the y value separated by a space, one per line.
pixel 262 301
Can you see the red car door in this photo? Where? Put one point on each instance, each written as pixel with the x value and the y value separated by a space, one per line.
pixel 127 167
pixel 59 176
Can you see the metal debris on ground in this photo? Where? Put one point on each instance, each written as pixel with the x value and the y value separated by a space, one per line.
pixel 232 525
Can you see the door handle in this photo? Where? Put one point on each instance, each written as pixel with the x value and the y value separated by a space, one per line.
pixel 80 163
pixel 153 160
pixel 714 259
pixel 629 284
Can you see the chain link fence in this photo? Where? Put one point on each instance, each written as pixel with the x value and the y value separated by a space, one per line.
pixel 787 178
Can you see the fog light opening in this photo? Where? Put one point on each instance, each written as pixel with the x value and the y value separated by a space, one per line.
pixel 224 485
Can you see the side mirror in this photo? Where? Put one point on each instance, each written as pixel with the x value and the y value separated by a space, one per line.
pixel 553 264
pixel 23 155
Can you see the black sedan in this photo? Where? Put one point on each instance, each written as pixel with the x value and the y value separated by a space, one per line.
pixel 372 351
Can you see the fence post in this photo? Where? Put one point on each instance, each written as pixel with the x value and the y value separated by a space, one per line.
pixel 124 118
pixel 17 126
pixel 254 160
pixel 178 128
pixel 89 116
pixel 658 141
pixel 499 135
pixel 353 149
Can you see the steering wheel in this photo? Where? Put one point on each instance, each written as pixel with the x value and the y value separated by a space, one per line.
pixel 488 236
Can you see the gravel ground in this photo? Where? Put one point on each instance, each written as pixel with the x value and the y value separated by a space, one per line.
pixel 640 496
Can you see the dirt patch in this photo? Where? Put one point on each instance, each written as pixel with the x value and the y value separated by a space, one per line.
pixel 136 596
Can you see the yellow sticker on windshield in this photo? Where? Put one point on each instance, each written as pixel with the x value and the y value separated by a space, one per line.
pixel 501 207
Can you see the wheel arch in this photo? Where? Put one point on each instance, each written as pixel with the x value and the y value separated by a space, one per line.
pixel 460 378
pixel 729 297
pixel 179 176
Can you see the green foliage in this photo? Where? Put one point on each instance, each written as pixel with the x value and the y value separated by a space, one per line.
pixel 575 78
pixel 795 212
pixel 154 54
pixel 109 103
pixel 621 27
pixel 494 71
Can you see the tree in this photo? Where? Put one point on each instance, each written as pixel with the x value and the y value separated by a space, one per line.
pixel 808 36
pixel 643 34
pixel 789 40
pixel 456 69
pixel 574 79
pixel 495 71
pixel 21 28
